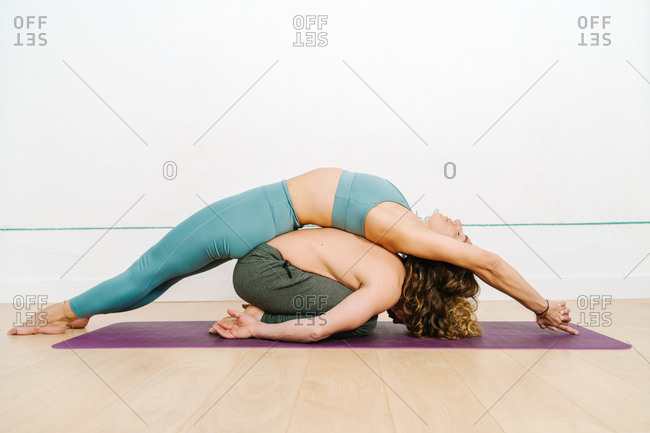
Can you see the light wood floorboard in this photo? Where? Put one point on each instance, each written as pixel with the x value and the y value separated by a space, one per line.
pixel 327 390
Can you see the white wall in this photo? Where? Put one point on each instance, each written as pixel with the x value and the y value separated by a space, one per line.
pixel 573 149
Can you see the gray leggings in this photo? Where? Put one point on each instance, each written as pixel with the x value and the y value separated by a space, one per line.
pixel 264 279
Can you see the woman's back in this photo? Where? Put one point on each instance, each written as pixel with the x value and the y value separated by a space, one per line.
pixel 316 196
pixel 312 195
pixel 350 259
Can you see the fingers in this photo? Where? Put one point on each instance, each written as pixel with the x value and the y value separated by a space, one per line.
pixel 563 312
pixel 213 328
pixel 564 327
pixel 229 319
pixel 222 332
pixel 569 329
pixel 234 313
pixel 224 325
pixel 555 323
pixel 218 329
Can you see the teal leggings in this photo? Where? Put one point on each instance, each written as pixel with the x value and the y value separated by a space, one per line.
pixel 226 229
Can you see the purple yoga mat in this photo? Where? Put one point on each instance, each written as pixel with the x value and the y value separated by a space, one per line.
pixel 387 335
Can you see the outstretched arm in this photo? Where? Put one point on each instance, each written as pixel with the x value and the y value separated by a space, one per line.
pixel 506 279
pixel 351 313
pixel 266 317
pixel 411 238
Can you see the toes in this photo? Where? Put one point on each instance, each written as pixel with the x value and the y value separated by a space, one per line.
pixel 22 330
pixel 30 330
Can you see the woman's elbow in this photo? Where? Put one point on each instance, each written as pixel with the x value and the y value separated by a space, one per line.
pixel 318 333
pixel 492 263
pixel 323 331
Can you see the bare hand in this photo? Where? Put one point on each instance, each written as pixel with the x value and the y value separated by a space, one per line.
pixel 249 309
pixel 556 318
pixel 244 326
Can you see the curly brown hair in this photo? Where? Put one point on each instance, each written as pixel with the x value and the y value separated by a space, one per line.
pixel 439 299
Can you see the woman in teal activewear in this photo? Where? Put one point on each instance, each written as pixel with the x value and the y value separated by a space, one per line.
pixel 359 203
pixel 227 229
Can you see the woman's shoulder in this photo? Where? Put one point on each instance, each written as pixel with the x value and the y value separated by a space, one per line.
pixel 368 259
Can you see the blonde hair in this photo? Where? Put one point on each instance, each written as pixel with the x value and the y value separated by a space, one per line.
pixel 439 299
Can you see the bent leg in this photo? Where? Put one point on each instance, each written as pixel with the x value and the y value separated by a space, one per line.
pixel 182 250
pixel 264 279
pixel 225 229
pixel 228 228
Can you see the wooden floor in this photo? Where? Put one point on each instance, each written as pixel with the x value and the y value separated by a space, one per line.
pixel 319 390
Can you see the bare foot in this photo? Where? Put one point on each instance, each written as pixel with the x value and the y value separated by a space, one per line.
pixel 50 320
pixel 79 323
pixel 249 309
pixel 254 311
